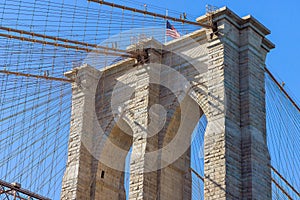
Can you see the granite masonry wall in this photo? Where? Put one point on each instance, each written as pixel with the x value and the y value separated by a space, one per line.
pixel 225 77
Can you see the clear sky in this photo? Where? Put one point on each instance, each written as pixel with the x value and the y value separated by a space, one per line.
pixel 281 17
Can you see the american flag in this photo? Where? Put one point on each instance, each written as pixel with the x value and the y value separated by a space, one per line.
pixel 171 31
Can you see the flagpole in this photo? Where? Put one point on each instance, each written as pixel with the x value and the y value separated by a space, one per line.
pixel 166 27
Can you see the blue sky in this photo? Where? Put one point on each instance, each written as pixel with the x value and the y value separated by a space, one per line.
pixel 281 17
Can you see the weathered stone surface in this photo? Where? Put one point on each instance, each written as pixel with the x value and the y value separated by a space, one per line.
pixel 224 77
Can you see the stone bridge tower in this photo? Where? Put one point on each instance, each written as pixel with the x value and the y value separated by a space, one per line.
pixel 152 106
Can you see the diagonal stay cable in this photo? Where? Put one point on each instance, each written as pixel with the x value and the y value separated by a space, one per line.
pixel 282 178
pixel 23 32
pixel 98 49
pixel 36 76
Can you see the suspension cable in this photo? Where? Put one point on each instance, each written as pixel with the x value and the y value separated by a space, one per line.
pixel 282 89
pixel 145 12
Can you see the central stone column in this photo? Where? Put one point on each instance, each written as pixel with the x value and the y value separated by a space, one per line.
pixel 158 117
